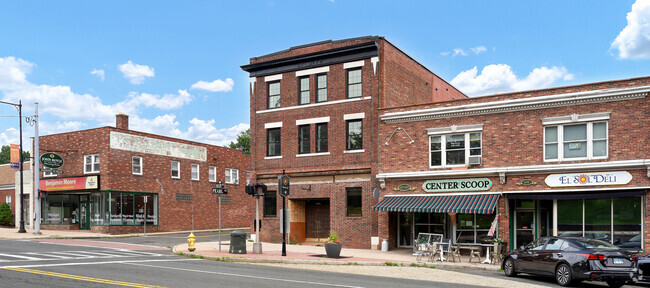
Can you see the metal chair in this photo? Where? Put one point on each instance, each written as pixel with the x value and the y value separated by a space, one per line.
pixel 455 253
pixel 474 253
pixel 497 257
pixel 423 249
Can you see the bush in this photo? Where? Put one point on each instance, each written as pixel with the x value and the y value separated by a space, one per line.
pixel 5 215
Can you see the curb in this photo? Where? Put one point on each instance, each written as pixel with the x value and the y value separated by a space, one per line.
pixel 31 235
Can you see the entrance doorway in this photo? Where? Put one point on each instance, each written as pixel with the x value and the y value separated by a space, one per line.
pixel 525 227
pixel 317 219
pixel 84 212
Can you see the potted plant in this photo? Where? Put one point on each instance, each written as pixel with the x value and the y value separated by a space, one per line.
pixel 333 245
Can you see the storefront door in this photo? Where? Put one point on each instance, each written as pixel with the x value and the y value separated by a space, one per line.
pixel 84 213
pixel 524 227
pixel 317 219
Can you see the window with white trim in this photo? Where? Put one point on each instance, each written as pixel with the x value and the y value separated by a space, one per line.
pixel 578 141
pixel 212 174
pixel 176 170
pixel 321 87
pixel 136 165
pixel 355 134
pixel 232 176
pixel 195 172
pixel 354 83
pixel 455 146
pixel 91 163
pixel 303 84
pixel 273 94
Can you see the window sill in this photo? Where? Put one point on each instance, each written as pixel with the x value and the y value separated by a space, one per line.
pixel 313 154
pixel 231 183
pixel 91 172
pixel 355 151
pixel 575 159
pixel 272 157
pixel 176 178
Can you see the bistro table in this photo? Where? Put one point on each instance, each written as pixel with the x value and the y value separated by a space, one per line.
pixel 474 246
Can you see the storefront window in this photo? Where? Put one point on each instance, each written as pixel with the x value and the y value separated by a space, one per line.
pixel 627 222
pixel 116 208
pixel 429 223
pixel 53 209
pixel 127 209
pixel 97 209
pixel 139 209
pixel 569 218
pixel 598 219
pixel 472 228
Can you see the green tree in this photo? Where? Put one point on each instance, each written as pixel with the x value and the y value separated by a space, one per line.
pixel 243 143
pixel 5 215
pixel 5 155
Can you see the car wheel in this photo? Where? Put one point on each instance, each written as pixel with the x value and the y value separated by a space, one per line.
pixel 615 283
pixel 563 274
pixel 509 267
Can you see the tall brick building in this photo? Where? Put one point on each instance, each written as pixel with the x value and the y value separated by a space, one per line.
pixel 117 180
pixel 314 114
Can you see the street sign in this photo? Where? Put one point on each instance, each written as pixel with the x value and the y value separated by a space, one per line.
pixel 51 171
pixel 283 185
pixel 215 190
pixel 51 160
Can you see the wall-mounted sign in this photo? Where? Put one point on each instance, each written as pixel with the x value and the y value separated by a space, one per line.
pixel 51 160
pixel 72 183
pixel 588 179
pixel 404 187
pixel 142 144
pixel 477 184
pixel 527 182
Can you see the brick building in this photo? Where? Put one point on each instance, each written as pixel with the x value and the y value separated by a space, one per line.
pixel 114 178
pixel 572 161
pixel 10 190
pixel 314 114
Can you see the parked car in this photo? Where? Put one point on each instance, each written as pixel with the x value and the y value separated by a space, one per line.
pixel 573 259
pixel 633 243
pixel 644 269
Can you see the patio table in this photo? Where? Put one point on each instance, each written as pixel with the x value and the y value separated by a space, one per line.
pixel 474 246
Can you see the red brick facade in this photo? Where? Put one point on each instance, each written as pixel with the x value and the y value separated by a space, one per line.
pixel 173 214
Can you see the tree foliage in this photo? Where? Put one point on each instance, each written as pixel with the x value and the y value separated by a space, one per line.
pixel 243 142
pixel 5 155
pixel 5 215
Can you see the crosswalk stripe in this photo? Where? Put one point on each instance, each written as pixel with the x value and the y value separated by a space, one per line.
pixel 19 256
pixel 47 255
pixel 56 255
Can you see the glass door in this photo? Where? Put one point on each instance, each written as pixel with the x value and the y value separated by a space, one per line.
pixel 405 231
pixel 524 227
pixel 84 213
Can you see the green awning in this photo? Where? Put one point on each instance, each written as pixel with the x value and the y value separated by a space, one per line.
pixel 465 204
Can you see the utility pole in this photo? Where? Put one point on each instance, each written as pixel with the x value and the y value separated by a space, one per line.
pixel 19 106
pixel 36 171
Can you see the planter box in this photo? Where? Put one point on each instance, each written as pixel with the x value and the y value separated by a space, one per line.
pixel 333 250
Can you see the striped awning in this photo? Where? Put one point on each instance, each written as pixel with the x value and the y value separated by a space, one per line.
pixel 476 203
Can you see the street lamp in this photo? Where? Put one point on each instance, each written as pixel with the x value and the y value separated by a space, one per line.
pixel 19 106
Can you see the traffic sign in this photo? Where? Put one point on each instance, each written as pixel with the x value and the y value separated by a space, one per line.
pixel 283 184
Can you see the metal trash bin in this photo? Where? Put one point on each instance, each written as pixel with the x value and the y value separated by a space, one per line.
pixel 237 242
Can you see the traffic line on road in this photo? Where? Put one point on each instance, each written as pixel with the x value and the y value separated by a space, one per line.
pixel 94 263
pixel 19 257
pixel 84 278
pixel 247 276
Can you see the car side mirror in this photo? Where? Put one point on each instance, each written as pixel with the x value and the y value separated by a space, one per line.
pixel 522 248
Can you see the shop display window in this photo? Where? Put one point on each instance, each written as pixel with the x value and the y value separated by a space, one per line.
pixel 473 228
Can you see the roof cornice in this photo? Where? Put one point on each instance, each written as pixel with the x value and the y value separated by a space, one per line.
pixel 532 103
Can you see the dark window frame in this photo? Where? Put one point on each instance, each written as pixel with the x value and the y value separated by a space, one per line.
pixel 301 129
pixel 347 134
pixel 300 91
pixel 273 208
pixel 318 139
pixel 279 142
pixel 347 82
pixel 347 201
pixel 318 89
pixel 268 94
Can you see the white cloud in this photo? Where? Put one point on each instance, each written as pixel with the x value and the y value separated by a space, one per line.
pixel 99 73
pixel 46 128
pixel 499 78
pixel 166 102
pixel 10 136
pixel 633 42
pixel 215 86
pixel 478 49
pixel 136 73
pixel 459 51
pixel 444 53
pixel 13 73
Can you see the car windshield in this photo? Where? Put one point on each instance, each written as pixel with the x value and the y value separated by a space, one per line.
pixel 594 244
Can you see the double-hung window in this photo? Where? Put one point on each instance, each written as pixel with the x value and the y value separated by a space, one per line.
pixel 232 176
pixel 195 172
pixel 273 89
pixel 355 135
pixel 273 142
pixel 91 163
pixel 303 83
pixel 136 165
pixel 455 146
pixel 303 139
pixel 176 170
pixel 321 87
pixel 354 83
pixel 574 138
pixel 321 137
pixel 212 174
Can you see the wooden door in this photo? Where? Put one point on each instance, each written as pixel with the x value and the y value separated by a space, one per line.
pixel 317 219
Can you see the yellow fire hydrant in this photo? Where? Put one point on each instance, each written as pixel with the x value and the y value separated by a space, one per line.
pixel 190 242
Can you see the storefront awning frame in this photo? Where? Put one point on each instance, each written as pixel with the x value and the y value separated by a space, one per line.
pixel 462 203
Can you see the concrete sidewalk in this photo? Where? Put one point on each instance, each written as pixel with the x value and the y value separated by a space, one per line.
pixel 310 254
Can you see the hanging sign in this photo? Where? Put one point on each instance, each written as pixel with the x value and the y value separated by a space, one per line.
pixel 15 156
pixel 476 184
pixel 51 160
pixel 588 179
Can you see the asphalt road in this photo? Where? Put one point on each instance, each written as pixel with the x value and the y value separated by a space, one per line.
pixel 170 240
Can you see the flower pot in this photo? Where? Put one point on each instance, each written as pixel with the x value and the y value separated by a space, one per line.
pixel 333 250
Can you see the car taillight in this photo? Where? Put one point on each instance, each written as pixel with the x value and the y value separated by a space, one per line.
pixel 594 257
pixel 634 258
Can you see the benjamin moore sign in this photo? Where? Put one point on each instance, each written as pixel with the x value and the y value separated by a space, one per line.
pixel 141 144
pixel 73 183
pixel 588 179
pixel 476 184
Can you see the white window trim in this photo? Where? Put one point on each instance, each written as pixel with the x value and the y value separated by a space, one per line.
pixel 313 121
pixel 141 165
pixel 273 78
pixel 236 179
pixel 353 64
pixel 198 174
pixel 590 141
pixel 179 170
pixel 354 151
pixel 317 154
pixel 210 174
pixel 576 118
pixel 343 101
pixel 313 71
pixel 272 157
pixel 455 129
pixel 443 150
pixel 272 125
pixel 94 157
pixel 354 116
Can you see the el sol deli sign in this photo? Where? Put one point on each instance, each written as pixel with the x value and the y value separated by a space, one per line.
pixel 476 184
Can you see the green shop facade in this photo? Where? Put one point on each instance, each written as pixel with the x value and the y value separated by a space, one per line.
pixel 78 203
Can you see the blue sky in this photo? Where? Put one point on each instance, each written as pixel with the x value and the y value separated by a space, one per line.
pixel 174 66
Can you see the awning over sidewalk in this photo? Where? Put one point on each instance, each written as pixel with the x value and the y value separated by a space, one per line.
pixel 476 203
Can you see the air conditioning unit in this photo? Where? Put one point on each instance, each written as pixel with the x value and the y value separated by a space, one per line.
pixel 475 160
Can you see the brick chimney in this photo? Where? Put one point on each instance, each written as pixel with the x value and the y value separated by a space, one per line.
pixel 122 121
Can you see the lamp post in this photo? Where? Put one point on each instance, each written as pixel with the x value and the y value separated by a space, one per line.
pixel 19 106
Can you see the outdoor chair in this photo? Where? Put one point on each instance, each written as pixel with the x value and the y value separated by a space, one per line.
pixel 496 255
pixel 455 253
pixel 475 253
pixel 423 249
pixel 445 248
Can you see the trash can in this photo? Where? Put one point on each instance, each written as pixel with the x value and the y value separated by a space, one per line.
pixel 237 242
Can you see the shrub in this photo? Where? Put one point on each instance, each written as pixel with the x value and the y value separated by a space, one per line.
pixel 5 215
